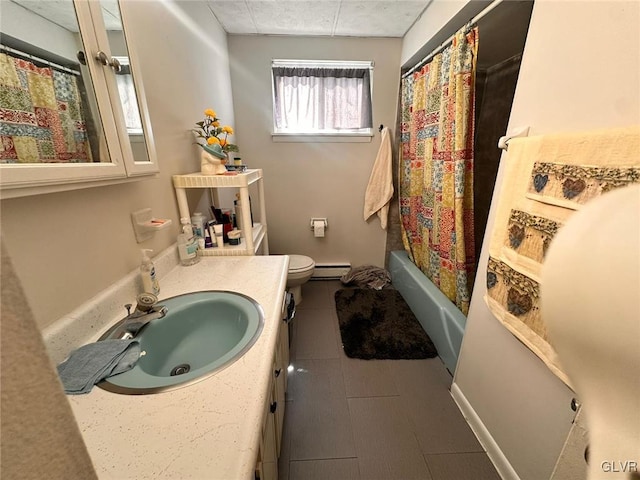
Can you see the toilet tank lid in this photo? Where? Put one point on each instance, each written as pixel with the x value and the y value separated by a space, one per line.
pixel 300 262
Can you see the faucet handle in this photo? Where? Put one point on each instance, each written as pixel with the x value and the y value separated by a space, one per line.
pixel 145 301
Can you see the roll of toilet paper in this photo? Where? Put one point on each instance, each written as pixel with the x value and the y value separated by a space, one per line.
pixel 318 228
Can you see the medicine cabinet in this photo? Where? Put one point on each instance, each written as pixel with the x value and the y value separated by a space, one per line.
pixel 73 105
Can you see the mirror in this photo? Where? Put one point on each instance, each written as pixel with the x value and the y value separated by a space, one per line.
pixel 51 111
pixel 124 78
pixel 72 103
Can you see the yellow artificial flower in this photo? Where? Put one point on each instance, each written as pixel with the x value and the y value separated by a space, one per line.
pixel 210 131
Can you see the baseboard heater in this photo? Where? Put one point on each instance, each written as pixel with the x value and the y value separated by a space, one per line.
pixel 328 271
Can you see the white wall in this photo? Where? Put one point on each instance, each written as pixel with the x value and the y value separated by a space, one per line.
pixel 23 24
pixel 305 180
pixel 580 71
pixel 67 247
pixel 441 19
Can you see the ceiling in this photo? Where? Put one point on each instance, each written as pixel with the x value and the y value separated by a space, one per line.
pixel 358 18
pixel 355 18
pixel 502 35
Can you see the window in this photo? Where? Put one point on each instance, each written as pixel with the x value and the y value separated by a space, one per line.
pixel 127 92
pixel 322 98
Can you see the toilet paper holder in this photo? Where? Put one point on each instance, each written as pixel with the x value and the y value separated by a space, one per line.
pixel 314 220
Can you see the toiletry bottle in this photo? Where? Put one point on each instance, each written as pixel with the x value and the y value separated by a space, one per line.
pixel 187 249
pixel 238 208
pixel 190 230
pixel 217 228
pixel 226 225
pixel 187 228
pixel 187 244
pixel 148 273
pixel 197 221
pixel 212 233
pixel 208 243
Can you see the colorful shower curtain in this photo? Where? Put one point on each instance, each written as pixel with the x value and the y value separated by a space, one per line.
pixel 41 115
pixel 436 167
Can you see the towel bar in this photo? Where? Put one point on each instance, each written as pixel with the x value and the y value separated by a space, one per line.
pixel 503 142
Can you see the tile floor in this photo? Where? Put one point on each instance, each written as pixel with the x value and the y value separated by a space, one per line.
pixel 349 419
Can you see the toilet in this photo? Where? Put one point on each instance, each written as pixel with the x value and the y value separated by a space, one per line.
pixel 300 271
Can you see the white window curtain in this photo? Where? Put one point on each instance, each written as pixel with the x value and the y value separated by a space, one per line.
pixel 330 100
pixel 127 91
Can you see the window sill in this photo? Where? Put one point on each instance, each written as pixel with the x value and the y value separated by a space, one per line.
pixel 321 138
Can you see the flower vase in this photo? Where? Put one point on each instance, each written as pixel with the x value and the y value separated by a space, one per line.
pixel 212 161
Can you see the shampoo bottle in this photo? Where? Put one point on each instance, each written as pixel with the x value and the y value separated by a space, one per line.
pixel 148 273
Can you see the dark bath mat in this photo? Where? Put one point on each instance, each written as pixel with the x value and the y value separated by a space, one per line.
pixel 378 324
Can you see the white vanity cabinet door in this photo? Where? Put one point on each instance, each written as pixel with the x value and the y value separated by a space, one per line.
pixel 271 439
pixel 280 381
pixel 138 149
pixel 267 462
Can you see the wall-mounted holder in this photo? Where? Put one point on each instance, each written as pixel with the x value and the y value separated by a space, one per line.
pixel 319 225
pixel 323 220
pixel 145 226
pixel 503 142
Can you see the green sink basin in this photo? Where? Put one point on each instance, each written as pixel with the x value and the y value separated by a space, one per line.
pixel 201 333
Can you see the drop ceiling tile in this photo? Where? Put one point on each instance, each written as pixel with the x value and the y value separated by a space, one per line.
pixel 364 18
pixel 389 18
pixel 234 16
pixel 294 17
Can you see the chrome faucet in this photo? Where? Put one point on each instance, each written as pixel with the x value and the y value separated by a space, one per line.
pixel 146 311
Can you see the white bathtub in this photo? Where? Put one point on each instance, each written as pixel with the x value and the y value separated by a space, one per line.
pixel 439 317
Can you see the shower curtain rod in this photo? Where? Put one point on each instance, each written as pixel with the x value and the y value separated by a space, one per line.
pixel 448 41
pixel 38 59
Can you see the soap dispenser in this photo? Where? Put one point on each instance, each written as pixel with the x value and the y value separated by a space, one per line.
pixel 148 273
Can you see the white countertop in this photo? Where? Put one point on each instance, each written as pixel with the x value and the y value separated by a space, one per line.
pixel 208 430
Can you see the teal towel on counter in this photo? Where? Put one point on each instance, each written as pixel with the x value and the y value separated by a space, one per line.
pixel 94 362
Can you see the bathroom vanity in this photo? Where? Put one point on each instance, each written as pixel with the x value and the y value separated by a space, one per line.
pixel 227 426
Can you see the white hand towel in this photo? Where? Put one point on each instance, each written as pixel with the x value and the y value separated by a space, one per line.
pixel 380 188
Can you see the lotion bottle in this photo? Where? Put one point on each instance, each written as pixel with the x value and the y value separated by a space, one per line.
pixel 148 273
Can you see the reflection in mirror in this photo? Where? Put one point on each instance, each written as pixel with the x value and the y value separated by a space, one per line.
pixel 124 78
pixel 127 91
pixel 48 106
